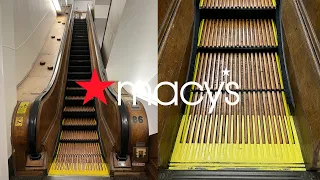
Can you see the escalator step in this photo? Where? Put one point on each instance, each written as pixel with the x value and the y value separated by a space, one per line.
pixel 253 71
pixel 79 75
pixel 72 82
pixel 80 31
pixel 79 135
pixel 74 98
pixel 77 101
pixel 80 52
pixel 226 33
pixel 79 57
pixel 85 40
pixel 79 36
pixel 235 4
pixel 80 63
pixel 80 44
pixel 79 47
pixel 79 165
pixel 79 149
pixel 78 109
pixel 82 69
pixel 75 91
pixel 79 122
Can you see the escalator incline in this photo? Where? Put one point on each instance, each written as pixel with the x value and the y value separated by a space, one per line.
pixel 78 150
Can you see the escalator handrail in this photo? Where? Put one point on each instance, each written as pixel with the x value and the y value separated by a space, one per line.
pixel 34 110
pixel 124 116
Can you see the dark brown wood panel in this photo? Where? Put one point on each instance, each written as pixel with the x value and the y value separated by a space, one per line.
pixel 305 78
pixel 165 9
pixel 174 55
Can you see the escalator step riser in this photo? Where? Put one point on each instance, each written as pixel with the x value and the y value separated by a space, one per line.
pixel 80 25
pixel 80 28
pixel 80 40
pixel 75 35
pixel 79 63
pixel 80 32
pixel 72 83
pixel 79 115
pixel 79 57
pixel 86 48
pixel 80 52
pixel 79 44
pixel 79 75
pixel 80 128
pixel 80 69
pixel 78 103
pixel 76 92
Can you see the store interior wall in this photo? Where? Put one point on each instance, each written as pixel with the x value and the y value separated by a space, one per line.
pixel 25 26
pixel 132 48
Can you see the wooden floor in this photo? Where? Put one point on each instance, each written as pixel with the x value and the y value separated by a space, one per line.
pixel 39 76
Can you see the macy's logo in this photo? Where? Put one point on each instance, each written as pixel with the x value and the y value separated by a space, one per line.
pixel 95 88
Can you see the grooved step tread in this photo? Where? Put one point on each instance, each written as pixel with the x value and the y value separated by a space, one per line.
pixel 227 33
pixel 78 109
pixel 74 98
pixel 79 135
pixel 79 149
pixel 79 122
pixel 75 88
pixel 238 4
pixel 252 71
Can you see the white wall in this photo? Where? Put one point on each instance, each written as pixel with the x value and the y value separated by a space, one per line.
pixel 134 53
pixel 100 24
pixel 33 20
pixel 101 11
pixel 8 64
pixel 25 26
pixel 116 10
pixel 3 131
pixel 81 5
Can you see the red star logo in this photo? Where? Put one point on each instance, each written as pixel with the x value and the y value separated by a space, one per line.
pixel 95 88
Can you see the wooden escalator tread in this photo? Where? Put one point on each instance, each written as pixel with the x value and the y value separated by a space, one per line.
pixel 84 135
pixel 226 33
pixel 74 98
pixel 79 109
pixel 79 122
pixel 238 4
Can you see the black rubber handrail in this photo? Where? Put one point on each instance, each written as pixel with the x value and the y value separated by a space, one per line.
pixel 124 116
pixel 34 110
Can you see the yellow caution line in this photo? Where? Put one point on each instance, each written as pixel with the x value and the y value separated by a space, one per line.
pixel 201 3
pixel 274 3
pixel 200 32
pixel 275 32
pixel 279 70
pixel 193 79
pixel 219 166
pixel 188 154
pixel 86 172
